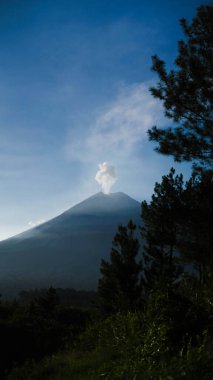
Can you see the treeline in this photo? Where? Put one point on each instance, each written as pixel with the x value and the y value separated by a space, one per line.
pixel 153 318
pixel 66 296
pixel 39 326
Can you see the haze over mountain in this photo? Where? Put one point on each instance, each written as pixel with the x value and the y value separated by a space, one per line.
pixel 67 250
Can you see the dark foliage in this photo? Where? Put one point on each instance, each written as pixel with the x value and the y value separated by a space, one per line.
pixel 196 238
pixel 161 231
pixel 119 288
pixel 187 94
pixel 38 328
pixel 66 296
pixel 177 228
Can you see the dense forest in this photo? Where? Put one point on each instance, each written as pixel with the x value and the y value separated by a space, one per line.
pixel 152 316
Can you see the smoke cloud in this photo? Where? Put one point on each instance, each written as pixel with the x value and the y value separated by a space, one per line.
pixel 106 177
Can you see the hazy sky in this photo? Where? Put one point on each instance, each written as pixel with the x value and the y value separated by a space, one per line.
pixel 74 92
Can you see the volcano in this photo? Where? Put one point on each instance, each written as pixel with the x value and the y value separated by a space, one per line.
pixel 67 250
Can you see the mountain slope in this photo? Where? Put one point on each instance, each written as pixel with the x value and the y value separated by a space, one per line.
pixel 67 250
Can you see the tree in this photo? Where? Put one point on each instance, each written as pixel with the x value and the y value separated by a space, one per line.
pixel 178 223
pixel 45 305
pixel 160 231
pixel 187 94
pixel 119 288
pixel 196 238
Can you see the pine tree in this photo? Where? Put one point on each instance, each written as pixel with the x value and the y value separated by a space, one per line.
pixel 177 228
pixel 46 305
pixel 196 238
pixel 187 94
pixel 160 231
pixel 120 287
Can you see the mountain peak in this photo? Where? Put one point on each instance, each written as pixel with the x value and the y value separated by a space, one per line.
pixel 105 203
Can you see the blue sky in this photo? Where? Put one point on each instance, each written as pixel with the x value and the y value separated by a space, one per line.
pixel 74 92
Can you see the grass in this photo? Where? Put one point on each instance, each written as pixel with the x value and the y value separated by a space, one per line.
pixel 71 365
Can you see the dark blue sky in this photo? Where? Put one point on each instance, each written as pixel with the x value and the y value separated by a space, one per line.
pixel 74 80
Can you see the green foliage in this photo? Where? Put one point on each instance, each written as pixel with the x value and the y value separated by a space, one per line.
pixel 196 364
pixel 187 94
pixel 135 346
pixel 119 288
pixel 70 366
pixel 169 331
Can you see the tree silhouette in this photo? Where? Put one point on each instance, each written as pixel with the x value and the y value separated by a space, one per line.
pixel 119 288
pixel 196 238
pixel 187 94
pixel 160 231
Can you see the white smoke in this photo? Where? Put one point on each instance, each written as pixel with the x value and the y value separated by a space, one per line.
pixel 106 177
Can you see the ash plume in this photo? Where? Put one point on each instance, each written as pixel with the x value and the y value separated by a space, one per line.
pixel 106 177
